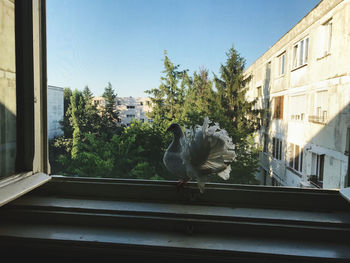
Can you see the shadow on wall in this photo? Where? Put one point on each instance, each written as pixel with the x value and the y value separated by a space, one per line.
pixel 7 141
pixel 325 155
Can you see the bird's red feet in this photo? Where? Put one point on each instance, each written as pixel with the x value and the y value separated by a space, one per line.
pixel 181 184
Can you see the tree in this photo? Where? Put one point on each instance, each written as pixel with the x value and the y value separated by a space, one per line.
pixel 76 120
pixel 169 98
pixel 109 112
pixel 237 116
pixel 65 126
pixel 200 99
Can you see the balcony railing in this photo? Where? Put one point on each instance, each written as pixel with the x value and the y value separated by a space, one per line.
pixel 313 179
pixel 318 119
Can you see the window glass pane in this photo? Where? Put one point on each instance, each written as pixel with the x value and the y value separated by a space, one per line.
pixel 295 56
pixel 301 159
pixel 296 160
pixel 301 53
pixel 306 50
pixel 158 47
pixel 7 89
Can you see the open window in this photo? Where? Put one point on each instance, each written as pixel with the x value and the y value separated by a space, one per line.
pixel 23 99
pixel 300 53
pixel 278 107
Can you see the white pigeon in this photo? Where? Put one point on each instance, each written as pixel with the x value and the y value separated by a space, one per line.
pixel 203 151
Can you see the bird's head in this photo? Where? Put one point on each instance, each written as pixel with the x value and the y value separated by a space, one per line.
pixel 175 129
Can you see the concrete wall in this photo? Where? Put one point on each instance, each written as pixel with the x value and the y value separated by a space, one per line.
pixel 327 71
pixel 55 110
pixel 7 89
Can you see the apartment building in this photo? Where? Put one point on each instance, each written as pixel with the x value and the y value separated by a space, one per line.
pixel 131 108
pixel 303 83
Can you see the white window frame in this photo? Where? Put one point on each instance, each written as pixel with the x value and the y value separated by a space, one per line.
pixel 300 53
pixel 327 37
pixel 277 148
pixel 281 64
pixel 317 166
pixel 296 157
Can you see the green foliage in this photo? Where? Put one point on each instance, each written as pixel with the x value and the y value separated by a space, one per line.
pixel 94 145
pixel 66 127
pixel 237 116
pixel 200 100
pixel 168 99
pixel 109 114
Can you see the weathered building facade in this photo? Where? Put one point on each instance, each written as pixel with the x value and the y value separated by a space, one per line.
pixel 303 83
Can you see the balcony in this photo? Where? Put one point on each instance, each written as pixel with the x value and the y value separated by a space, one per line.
pixel 318 119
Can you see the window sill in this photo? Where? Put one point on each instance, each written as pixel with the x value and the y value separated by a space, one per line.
pixel 299 67
pixel 280 76
pixel 326 55
pixel 19 184
pixel 138 219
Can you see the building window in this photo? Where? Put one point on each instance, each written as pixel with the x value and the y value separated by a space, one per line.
pixel 266 142
pixel 130 107
pixel 327 37
pixel 141 103
pixel 265 176
pixel 277 148
pixel 259 91
pixel 130 116
pixel 295 157
pixel 317 169
pixel 300 53
pixel 281 64
pixel 297 107
pixel 278 107
pixel 321 108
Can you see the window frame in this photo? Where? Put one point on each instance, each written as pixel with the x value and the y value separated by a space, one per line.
pixel 281 60
pixel 277 148
pixel 296 158
pixel 278 105
pixel 32 166
pixel 300 53
pixel 34 147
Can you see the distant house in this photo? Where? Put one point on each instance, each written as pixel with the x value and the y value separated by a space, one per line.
pixel 131 108
pixel 55 110
pixel 99 102
pixel 128 108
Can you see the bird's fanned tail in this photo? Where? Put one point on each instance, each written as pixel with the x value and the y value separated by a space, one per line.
pixel 203 151
pixel 210 148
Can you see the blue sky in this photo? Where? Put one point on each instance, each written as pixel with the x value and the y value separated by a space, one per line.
pixel 93 42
